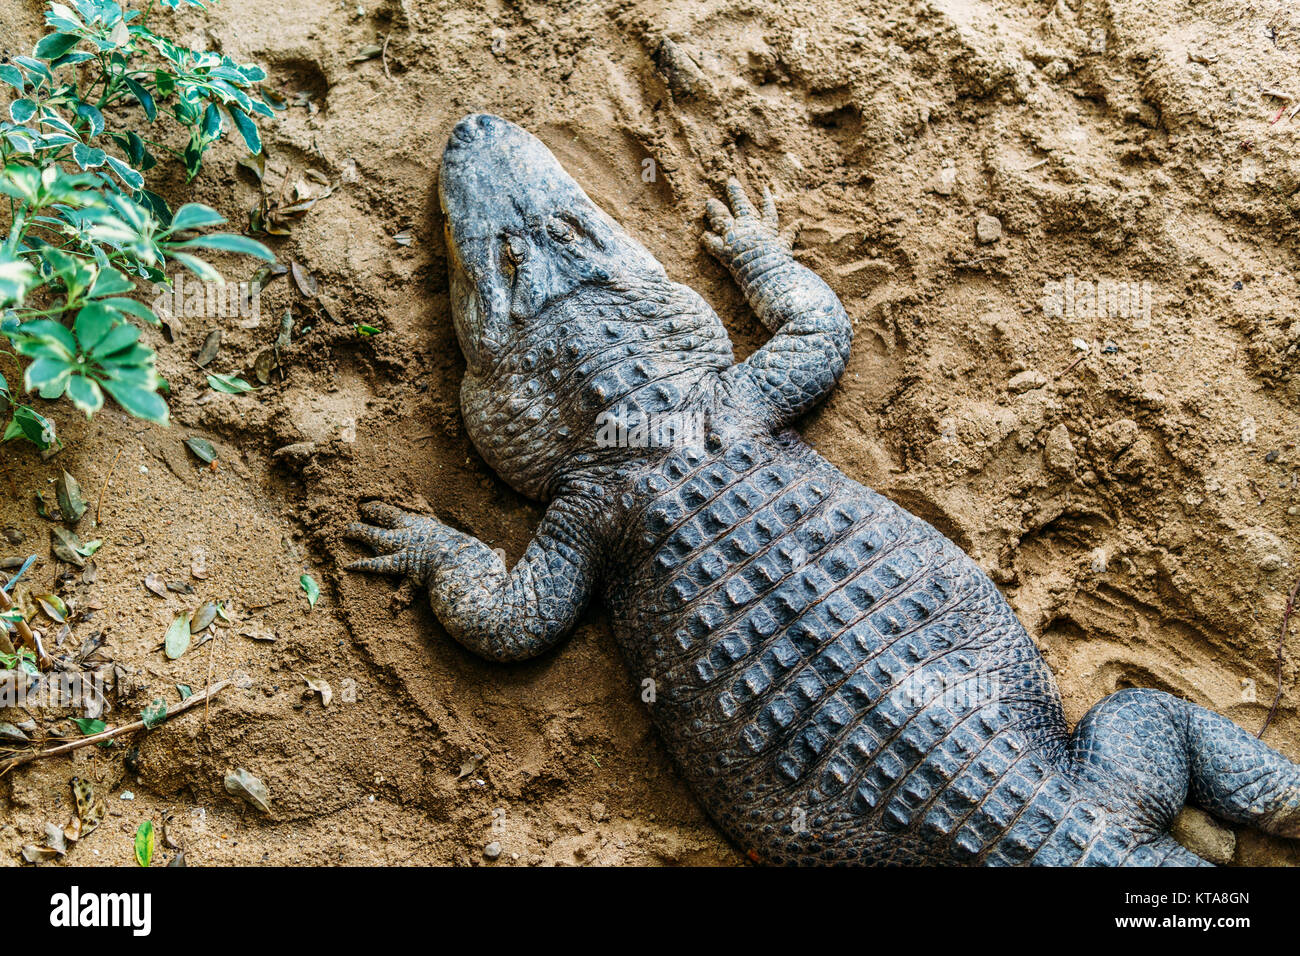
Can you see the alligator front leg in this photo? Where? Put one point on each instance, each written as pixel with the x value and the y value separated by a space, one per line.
pixel 805 357
pixel 504 615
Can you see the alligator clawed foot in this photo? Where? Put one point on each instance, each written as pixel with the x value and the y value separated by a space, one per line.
pixel 733 232
pixel 407 543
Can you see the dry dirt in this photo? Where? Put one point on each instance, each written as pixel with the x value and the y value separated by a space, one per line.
pixel 1130 480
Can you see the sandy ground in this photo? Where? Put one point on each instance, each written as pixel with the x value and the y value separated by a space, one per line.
pixel 1130 476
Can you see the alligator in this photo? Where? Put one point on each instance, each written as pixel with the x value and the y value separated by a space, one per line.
pixel 837 682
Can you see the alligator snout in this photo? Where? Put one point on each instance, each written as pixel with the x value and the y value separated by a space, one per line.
pixel 475 128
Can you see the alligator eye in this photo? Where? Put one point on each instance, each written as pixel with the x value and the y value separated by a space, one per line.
pixel 515 250
pixel 560 230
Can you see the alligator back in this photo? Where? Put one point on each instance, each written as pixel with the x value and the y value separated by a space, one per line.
pixel 836 678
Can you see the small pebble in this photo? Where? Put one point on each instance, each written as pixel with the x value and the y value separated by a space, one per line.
pixel 1058 451
pixel 492 850
pixel 988 229
pixel 1026 380
pixel 945 184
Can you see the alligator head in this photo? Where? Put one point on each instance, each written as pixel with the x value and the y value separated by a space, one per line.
pixel 521 234
pixel 559 312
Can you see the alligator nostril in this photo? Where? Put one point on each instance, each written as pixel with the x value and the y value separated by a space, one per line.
pixel 464 132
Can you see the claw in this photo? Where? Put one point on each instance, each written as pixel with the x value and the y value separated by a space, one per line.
pixel 769 209
pixel 718 216
pixel 375 537
pixel 382 564
pixel 387 515
pixel 740 204
pixel 715 245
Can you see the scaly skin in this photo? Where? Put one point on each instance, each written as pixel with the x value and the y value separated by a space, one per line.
pixel 837 681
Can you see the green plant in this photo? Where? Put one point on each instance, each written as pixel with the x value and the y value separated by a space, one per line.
pixel 83 229
pixel 23 659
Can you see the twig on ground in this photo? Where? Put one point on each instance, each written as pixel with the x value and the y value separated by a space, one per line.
pixel 215 633
pixel 1281 646
pixel 200 698
pixel 104 487
pixel 1071 367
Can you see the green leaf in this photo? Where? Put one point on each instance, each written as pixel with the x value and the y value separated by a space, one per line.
pixel 228 242
pixel 32 425
pixel 16 277
pixel 88 726
pixel 45 336
pixel 121 337
pixel 13 76
pixel 93 117
pixel 132 307
pixel 47 374
pixel 247 129
pixel 186 691
pixel 145 98
pixel 94 321
pixel 53 605
pixel 312 589
pixel 202 449
pixel 55 45
pixel 88 157
pixel 144 843
pixel 22 110
pixel 156 205
pixel 35 68
pixel 141 402
pixel 110 281
pixel 194 215
pixel 177 639
pixel 124 172
pixel 85 394
pixel 154 714
pixel 212 124
pixel 61 17
pixel 59 123
pixel 200 268
pixel 229 384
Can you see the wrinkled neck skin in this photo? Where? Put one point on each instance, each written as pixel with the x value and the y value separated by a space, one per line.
pixel 582 356
pixel 567 397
